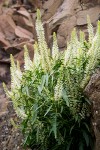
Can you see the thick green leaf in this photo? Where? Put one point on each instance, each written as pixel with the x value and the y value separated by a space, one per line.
pixel 40 87
pixel 48 110
pixel 81 146
pixel 86 137
pixel 65 97
pixel 54 126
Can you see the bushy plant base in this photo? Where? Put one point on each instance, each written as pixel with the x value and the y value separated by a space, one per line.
pixel 48 95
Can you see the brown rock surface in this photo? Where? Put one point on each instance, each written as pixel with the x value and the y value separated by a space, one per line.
pixel 61 41
pixel 93 92
pixel 66 27
pixel 52 9
pixel 65 11
pixel 82 15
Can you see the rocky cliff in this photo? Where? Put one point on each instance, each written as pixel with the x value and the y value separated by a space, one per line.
pixel 59 16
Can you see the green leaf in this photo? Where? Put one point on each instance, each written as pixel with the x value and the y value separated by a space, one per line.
pixel 88 101
pixel 81 146
pixel 86 137
pixel 65 97
pixel 34 113
pixel 27 140
pixel 37 134
pixel 40 87
pixel 69 144
pixel 46 78
pixel 27 90
pixel 87 127
pixel 62 108
pixel 72 129
pixel 48 110
pixel 54 126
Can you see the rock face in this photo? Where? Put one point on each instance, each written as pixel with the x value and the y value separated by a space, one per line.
pixel 73 14
pixel 82 15
pixel 93 92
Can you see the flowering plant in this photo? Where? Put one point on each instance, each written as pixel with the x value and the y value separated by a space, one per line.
pixel 48 95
